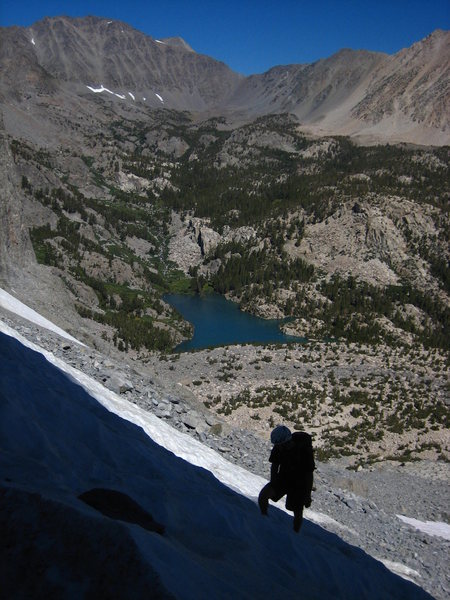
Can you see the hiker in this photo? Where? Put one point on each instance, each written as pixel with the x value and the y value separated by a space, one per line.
pixel 291 472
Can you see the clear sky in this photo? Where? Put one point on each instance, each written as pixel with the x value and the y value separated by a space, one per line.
pixel 253 35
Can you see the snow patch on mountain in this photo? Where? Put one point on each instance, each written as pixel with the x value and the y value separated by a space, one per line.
pixel 9 302
pixel 430 527
pixel 102 88
pixel 99 90
pixel 402 570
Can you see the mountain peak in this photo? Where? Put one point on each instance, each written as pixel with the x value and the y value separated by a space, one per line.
pixel 177 42
pixel 437 34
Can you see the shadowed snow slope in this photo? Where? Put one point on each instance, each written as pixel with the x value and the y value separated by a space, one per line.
pixel 58 441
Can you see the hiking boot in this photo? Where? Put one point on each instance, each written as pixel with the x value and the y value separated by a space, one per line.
pixel 297 523
pixel 263 508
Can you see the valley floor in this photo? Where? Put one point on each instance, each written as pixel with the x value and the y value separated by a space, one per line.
pixel 368 403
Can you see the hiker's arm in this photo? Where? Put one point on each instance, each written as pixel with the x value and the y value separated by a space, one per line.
pixel 274 467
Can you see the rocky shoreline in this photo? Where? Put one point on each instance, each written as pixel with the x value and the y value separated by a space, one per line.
pixel 358 505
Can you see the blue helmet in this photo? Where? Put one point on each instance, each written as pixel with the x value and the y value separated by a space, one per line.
pixel 280 434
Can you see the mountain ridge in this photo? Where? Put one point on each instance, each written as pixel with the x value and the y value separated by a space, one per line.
pixel 372 95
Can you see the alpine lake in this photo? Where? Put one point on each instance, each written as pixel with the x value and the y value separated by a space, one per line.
pixel 219 322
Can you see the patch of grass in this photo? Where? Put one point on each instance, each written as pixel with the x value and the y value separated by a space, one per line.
pixel 179 283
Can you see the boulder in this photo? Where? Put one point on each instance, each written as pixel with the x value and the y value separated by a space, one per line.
pixel 194 421
pixel 119 384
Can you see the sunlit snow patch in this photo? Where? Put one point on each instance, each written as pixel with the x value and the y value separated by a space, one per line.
pixel 400 569
pixel 130 94
pixel 99 90
pixel 103 89
pixel 33 42
pixel 436 528
pixel 159 97
pixel 14 305
pixel 160 42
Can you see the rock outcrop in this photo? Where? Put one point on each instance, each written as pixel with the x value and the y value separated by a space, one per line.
pixel 15 246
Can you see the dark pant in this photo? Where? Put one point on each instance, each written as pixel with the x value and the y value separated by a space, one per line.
pixel 270 492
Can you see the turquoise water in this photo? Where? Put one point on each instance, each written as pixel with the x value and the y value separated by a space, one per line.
pixel 219 322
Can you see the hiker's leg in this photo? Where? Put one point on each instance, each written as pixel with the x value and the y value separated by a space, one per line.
pixel 309 481
pixel 264 496
pixel 298 519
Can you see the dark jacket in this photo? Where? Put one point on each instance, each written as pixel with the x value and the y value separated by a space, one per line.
pixel 293 462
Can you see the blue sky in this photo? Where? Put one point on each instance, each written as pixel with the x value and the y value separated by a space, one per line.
pixel 253 35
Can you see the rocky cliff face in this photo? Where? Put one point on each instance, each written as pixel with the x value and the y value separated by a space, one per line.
pixel 368 241
pixel 404 97
pixel 39 286
pixel 15 246
pixel 413 87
